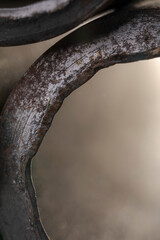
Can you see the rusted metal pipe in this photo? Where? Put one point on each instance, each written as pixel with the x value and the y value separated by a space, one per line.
pixel 121 37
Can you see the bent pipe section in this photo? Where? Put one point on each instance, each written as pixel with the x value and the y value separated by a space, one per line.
pixel 124 36
pixel 46 19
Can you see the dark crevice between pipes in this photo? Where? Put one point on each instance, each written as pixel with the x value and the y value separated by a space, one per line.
pixel 16 3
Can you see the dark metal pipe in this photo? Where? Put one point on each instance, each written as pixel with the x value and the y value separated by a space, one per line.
pixel 46 19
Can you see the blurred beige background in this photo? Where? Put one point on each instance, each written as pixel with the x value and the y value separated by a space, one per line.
pixel 97 172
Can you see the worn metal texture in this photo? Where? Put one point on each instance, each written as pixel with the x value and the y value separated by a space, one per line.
pixel 46 19
pixel 121 37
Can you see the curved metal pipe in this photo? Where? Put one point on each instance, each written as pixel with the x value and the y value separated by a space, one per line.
pixel 45 19
pixel 125 36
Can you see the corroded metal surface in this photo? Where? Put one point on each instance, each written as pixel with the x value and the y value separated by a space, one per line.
pixel 46 19
pixel 121 37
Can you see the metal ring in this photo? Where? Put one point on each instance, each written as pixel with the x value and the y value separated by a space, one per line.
pixel 121 37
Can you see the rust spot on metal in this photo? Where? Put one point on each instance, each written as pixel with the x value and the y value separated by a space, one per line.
pixel 79 61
